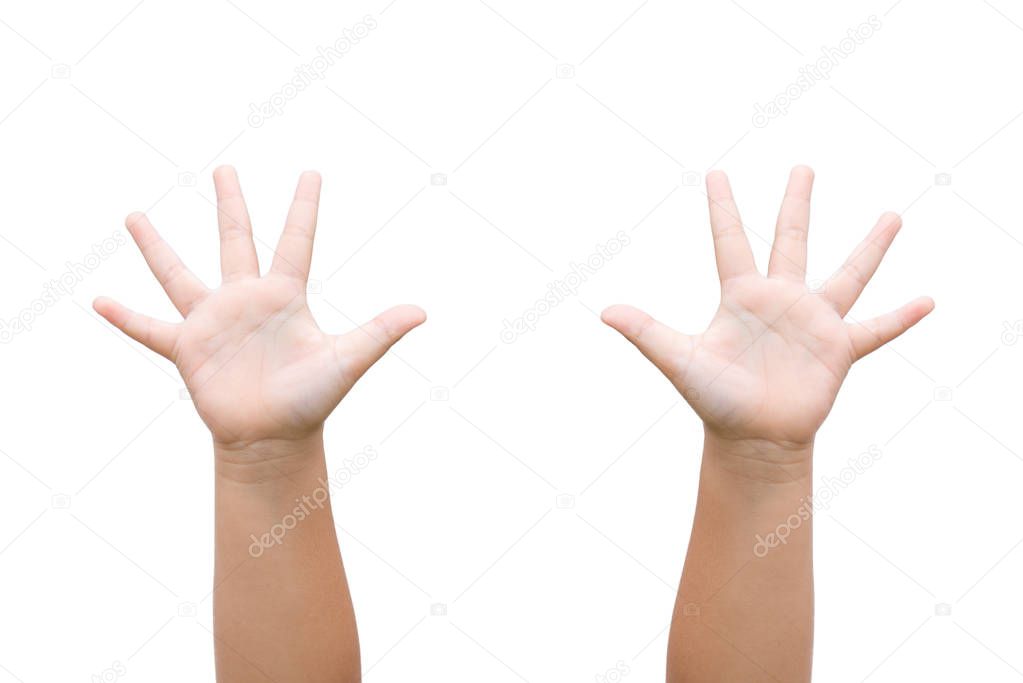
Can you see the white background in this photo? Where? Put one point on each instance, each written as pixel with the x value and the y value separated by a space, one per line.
pixel 105 474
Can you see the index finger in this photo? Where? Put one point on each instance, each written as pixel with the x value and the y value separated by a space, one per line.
pixel 294 252
pixel 731 247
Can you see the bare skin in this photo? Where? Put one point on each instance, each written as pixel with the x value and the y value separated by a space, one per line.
pixel 762 377
pixel 264 378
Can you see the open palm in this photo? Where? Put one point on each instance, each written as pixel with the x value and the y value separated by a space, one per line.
pixel 773 358
pixel 255 362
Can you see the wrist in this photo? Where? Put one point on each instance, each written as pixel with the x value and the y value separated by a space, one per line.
pixel 761 460
pixel 269 459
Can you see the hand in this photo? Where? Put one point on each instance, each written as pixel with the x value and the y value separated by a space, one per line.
pixel 770 365
pixel 255 362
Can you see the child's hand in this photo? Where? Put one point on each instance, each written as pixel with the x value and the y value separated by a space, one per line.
pixel 769 366
pixel 258 367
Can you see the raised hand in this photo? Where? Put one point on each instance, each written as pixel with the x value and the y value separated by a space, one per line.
pixel 255 362
pixel 771 362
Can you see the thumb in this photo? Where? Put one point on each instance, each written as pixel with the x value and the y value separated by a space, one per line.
pixel 655 340
pixel 365 345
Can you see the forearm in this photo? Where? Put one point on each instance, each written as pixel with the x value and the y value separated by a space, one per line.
pixel 745 604
pixel 281 605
